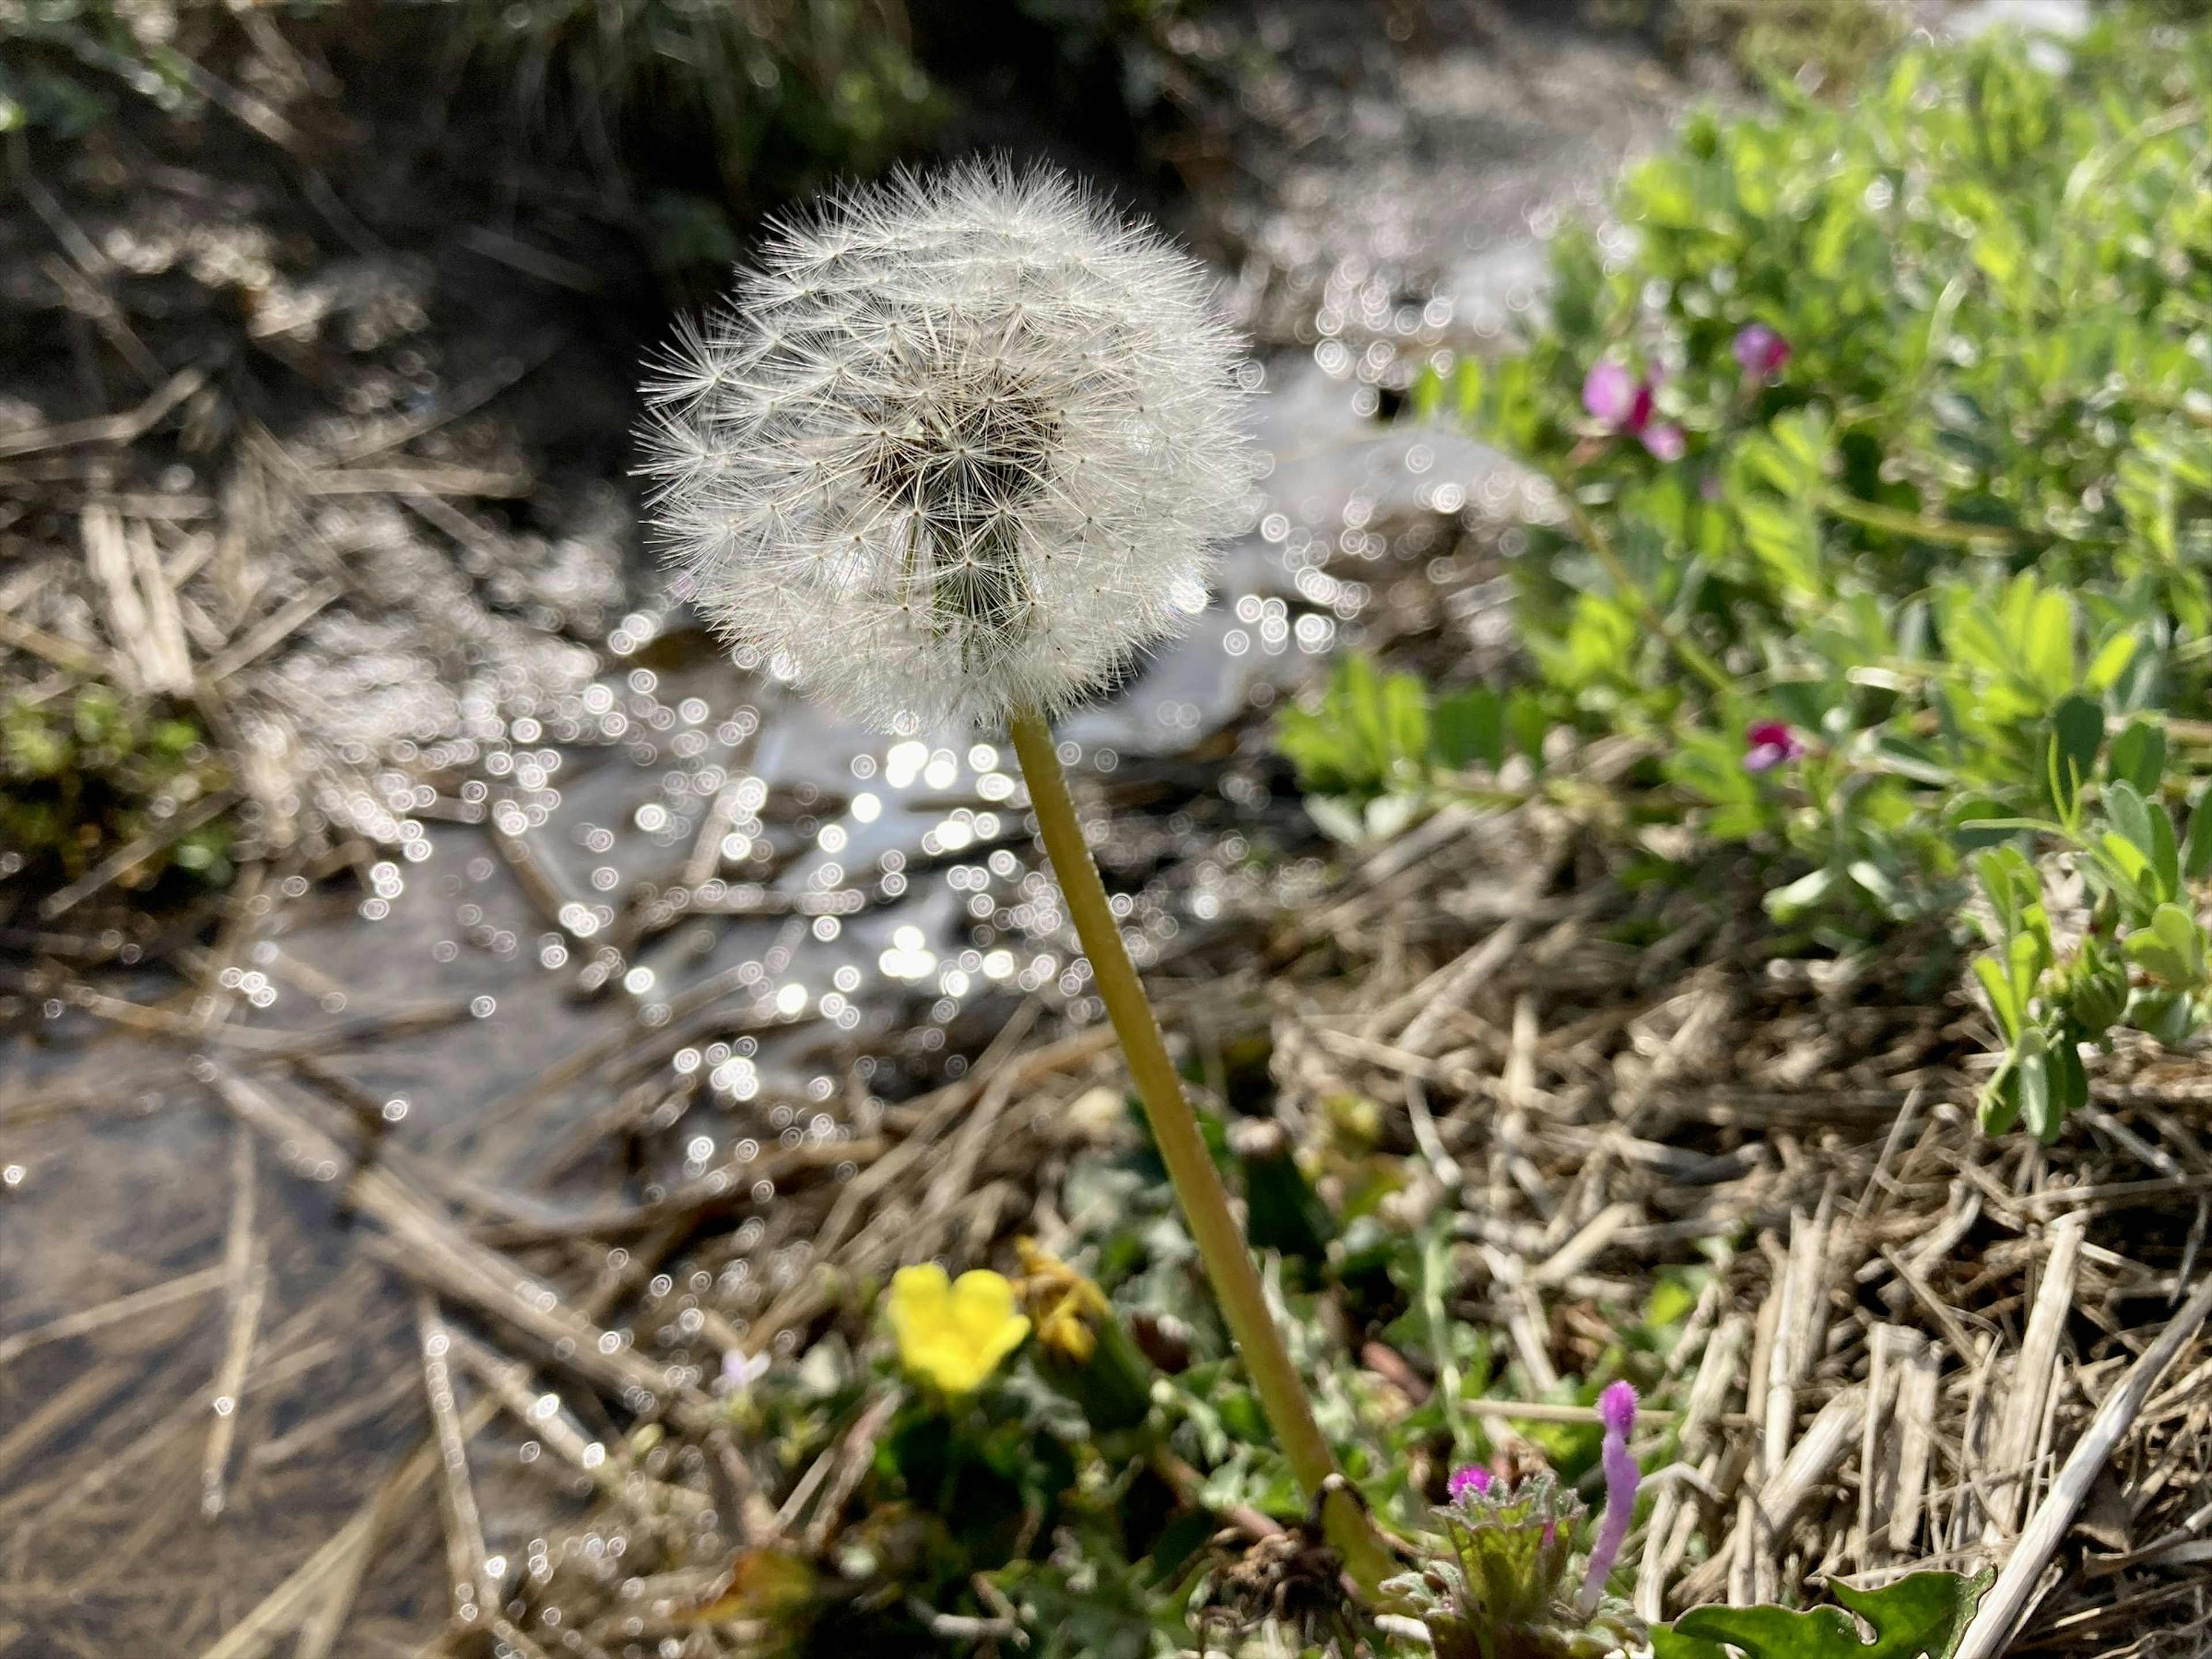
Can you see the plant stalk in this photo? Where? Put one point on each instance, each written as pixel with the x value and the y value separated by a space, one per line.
pixel 1198 1186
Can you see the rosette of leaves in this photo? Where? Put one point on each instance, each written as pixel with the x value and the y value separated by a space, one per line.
pixel 84 775
pixel 1496 1595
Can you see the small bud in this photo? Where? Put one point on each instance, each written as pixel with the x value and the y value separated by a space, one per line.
pixel 1616 1410
pixel 1768 745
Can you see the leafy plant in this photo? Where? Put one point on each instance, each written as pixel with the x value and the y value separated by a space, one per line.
pixel 88 773
pixel 1921 1616
pixel 1830 44
pixel 768 87
pixel 1882 499
pixel 1374 746
pixel 67 58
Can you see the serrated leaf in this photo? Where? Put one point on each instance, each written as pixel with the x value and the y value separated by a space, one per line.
pixel 1921 1616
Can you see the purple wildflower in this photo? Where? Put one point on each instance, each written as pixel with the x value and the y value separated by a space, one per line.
pixel 1768 745
pixel 1624 403
pixel 1761 351
pixel 1612 395
pixel 1468 1478
pixel 740 1370
pixel 1616 1409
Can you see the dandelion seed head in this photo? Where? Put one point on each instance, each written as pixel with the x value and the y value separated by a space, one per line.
pixel 956 444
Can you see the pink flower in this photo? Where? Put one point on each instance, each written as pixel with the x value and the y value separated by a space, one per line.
pixel 1613 396
pixel 1624 403
pixel 1616 1410
pixel 1761 351
pixel 1768 745
pixel 1467 1479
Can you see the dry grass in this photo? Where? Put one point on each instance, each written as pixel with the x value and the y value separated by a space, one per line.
pixel 1912 1334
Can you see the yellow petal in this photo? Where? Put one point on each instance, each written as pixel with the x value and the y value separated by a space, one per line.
pixel 920 1297
pixel 954 1333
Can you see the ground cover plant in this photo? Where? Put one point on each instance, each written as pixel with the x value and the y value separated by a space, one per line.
pixel 1881 520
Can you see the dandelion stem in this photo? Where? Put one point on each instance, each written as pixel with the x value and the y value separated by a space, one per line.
pixel 1198 1186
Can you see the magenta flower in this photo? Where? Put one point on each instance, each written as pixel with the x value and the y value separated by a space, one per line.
pixel 1616 1409
pixel 1613 395
pixel 1624 403
pixel 1466 1479
pixel 1761 351
pixel 1768 745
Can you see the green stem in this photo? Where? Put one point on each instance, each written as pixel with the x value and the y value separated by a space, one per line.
pixel 1601 544
pixel 1204 1201
pixel 1949 532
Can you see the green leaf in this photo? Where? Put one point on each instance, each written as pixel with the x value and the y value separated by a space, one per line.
pixel 2197 854
pixel 1801 895
pixel 1998 988
pixel 2131 815
pixel 2172 949
pixel 1668 1643
pixel 2069 1086
pixel 2031 1067
pixel 1468 727
pixel 2110 661
pixel 2138 756
pixel 2165 856
pixel 1981 823
pixel 1527 723
pixel 2077 730
pixel 1921 1616
pixel 1998 1109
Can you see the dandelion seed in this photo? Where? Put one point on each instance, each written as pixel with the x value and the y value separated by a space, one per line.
pixel 958 445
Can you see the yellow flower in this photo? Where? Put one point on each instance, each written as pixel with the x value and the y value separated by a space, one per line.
pixel 1063 1302
pixel 954 1332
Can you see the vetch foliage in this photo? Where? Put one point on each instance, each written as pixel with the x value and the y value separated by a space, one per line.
pixel 1883 526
